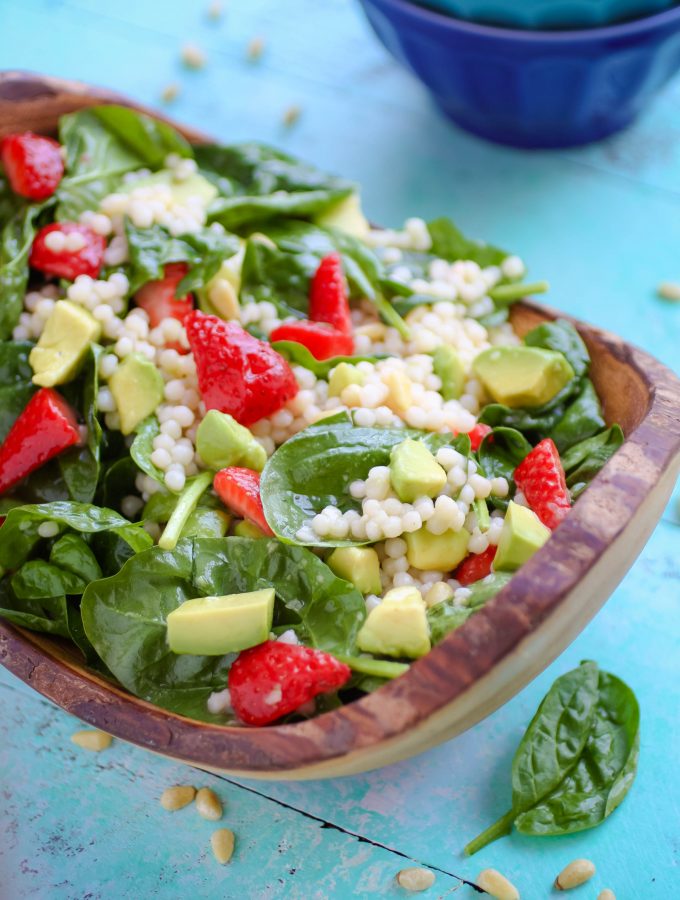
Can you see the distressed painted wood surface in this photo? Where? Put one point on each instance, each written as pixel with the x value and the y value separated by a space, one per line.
pixel 603 224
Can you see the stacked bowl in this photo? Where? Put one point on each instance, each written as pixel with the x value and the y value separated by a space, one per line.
pixel 535 73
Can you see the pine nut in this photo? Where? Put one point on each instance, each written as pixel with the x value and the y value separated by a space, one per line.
pixel 497 885
pixel 291 115
pixel 576 873
pixel 255 49
pixel 415 879
pixel 669 290
pixel 92 740
pixel 222 843
pixel 208 804
pixel 178 796
pixel 606 894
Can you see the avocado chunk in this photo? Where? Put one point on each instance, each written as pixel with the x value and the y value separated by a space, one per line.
pixel 522 535
pixel 342 376
pixel 447 364
pixel 62 346
pixel 359 565
pixel 211 626
pixel 347 216
pixel 436 552
pixel 221 441
pixel 137 387
pixel 204 523
pixel 398 626
pixel 522 376
pixel 246 529
pixel 414 472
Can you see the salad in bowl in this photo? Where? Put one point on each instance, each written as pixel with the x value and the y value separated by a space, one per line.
pixel 257 457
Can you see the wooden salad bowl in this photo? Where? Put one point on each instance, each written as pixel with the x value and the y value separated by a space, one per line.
pixel 472 671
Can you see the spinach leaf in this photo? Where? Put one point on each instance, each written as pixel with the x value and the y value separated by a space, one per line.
pixel 499 454
pixel 257 183
pixel 49 614
pixel 446 617
pixel 142 448
pixel 449 243
pixel 577 759
pixel 40 580
pixel 315 468
pixel 72 554
pixel 117 481
pixel 79 467
pixel 149 139
pixel 582 418
pixel 125 616
pixel 584 460
pixel 535 423
pixel 16 239
pixel 300 355
pixel 16 387
pixel 562 337
pixel 151 248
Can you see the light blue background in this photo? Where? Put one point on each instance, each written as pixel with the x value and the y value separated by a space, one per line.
pixel 603 225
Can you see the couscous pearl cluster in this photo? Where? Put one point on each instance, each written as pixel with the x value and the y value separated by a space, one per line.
pixel 264 315
pixel 414 236
pixel 104 298
pixel 39 306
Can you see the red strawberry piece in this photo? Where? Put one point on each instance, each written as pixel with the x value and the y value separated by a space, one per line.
pixel 46 427
pixel 274 678
pixel 322 341
pixel 239 489
pixel 328 300
pixel 477 435
pixel 237 373
pixel 158 298
pixel 88 259
pixel 540 477
pixel 32 163
pixel 475 566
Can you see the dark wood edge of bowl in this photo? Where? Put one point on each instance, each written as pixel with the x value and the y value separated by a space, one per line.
pixel 464 657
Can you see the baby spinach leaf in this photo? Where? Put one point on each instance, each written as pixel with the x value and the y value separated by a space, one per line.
pixel 40 580
pixel 499 454
pixel 72 554
pixel 149 139
pixel 151 248
pixel 48 614
pixel 582 418
pixel 117 481
pixel 562 337
pixel 16 239
pixel 16 387
pixel 300 355
pixel 535 423
pixel 447 616
pixel 315 468
pixel 584 460
pixel 449 243
pixel 142 448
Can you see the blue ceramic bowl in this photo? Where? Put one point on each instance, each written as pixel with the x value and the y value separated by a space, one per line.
pixel 548 13
pixel 532 88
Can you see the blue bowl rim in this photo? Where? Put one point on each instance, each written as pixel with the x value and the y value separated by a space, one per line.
pixel 642 24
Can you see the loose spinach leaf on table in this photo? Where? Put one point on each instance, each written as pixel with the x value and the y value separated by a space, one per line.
pixel 447 616
pixel 125 616
pixel 16 239
pixel 577 759
pixel 300 355
pixel 152 248
pixel 257 183
pixel 315 468
pixel 16 387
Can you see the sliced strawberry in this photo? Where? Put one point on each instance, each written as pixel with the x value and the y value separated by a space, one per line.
pixel 540 477
pixel 158 298
pixel 237 373
pixel 275 678
pixel 46 427
pixel 32 163
pixel 328 300
pixel 88 259
pixel 475 566
pixel 239 489
pixel 322 341
pixel 477 435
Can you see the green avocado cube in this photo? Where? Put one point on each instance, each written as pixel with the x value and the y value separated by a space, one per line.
pixel 206 523
pixel 63 344
pixel 358 565
pixel 522 376
pixel 137 387
pixel 212 626
pixel 398 626
pixel 436 552
pixel 246 529
pixel 447 364
pixel 414 472
pixel 221 441
pixel 522 535
pixel 342 376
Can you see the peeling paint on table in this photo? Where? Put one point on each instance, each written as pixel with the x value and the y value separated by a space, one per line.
pixel 603 224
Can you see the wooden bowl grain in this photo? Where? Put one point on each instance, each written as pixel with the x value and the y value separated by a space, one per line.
pixel 478 667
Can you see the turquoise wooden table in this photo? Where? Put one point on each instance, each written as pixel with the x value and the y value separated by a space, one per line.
pixel 603 224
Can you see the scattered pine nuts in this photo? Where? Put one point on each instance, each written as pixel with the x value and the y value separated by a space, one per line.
pixel 415 879
pixel 215 10
pixel 576 873
pixel 170 92
pixel 497 885
pixel 222 843
pixel 92 740
pixel 606 894
pixel 255 49
pixel 669 290
pixel 291 115
pixel 177 797
pixel 192 56
pixel 208 804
